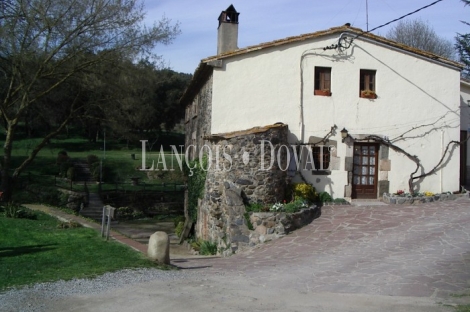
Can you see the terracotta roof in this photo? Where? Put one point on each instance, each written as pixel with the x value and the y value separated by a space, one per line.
pixel 229 135
pixel 202 71
pixel 335 30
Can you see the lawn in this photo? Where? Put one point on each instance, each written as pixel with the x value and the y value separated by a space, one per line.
pixel 33 251
pixel 120 164
pixel 118 157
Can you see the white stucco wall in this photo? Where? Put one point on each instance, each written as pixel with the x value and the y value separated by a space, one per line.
pixel 417 99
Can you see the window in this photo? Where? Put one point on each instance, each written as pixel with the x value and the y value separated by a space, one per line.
pixel 323 81
pixel 367 84
pixel 321 157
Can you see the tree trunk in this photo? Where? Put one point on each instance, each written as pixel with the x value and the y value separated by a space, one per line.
pixel 7 181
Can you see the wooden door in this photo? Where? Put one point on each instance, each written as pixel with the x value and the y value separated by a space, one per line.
pixel 365 170
pixel 463 158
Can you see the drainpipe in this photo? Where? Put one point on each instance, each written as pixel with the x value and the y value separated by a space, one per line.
pixel 442 168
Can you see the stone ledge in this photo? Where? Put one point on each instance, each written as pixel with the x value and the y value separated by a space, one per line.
pixel 411 200
pixel 270 225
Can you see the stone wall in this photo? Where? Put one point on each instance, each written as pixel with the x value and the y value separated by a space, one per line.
pixel 271 225
pixel 240 179
pixel 75 200
pixel 409 200
pixel 198 119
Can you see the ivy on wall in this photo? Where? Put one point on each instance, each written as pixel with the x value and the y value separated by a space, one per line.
pixel 195 171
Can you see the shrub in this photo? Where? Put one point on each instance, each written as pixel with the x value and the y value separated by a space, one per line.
pixel 196 244
pixel 178 219
pixel 304 191
pixel 25 213
pixel 11 210
pixel 179 229
pixel 324 197
pixel 128 213
pixel 64 162
pixel 92 159
pixel 291 207
pixel 296 205
pixel 256 207
pixel 62 157
pixel 64 167
pixel 71 173
pixel 15 211
pixel 208 248
pixel 68 225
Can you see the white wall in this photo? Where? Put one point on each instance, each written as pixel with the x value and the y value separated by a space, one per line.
pixel 416 98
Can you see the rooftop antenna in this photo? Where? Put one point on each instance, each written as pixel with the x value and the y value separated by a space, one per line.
pixel 367 15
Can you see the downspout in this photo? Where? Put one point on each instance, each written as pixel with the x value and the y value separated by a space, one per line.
pixel 441 175
pixel 301 121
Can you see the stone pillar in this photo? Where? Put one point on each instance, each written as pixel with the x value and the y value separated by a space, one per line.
pixel 159 247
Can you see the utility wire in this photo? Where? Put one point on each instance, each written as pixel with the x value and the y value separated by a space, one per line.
pixel 335 46
pixel 401 17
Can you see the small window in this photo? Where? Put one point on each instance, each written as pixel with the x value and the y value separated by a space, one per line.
pixel 367 84
pixel 321 157
pixel 322 81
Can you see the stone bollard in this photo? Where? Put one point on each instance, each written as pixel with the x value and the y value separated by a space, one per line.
pixel 159 247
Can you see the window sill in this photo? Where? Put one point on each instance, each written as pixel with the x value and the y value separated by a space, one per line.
pixel 321 172
pixel 368 95
pixel 322 93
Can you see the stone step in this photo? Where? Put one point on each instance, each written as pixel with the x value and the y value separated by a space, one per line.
pixel 82 172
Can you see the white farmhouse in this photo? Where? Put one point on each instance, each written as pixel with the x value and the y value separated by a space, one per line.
pixel 365 115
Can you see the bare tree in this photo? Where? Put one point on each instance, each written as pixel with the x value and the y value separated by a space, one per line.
pixel 463 47
pixel 45 43
pixel 418 34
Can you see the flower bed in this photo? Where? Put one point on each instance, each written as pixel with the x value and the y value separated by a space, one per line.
pixel 401 198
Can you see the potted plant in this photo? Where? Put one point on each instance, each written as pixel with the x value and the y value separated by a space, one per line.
pixel 323 92
pixel 368 94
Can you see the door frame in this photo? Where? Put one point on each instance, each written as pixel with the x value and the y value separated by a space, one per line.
pixel 375 187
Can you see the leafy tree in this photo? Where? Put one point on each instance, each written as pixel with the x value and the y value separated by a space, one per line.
pixel 463 47
pixel 145 99
pixel 48 43
pixel 418 34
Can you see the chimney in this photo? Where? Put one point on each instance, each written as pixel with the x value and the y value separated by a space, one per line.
pixel 227 38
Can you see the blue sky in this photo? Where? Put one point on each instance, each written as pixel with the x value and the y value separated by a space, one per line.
pixel 262 21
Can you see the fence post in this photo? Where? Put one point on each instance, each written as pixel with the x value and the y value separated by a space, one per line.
pixel 109 224
pixel 103 218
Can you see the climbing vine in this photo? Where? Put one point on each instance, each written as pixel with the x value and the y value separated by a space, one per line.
pixel 415 158
pixel 195 171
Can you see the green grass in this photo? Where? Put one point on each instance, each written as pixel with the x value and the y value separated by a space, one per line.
pixel 33 251
pixel 117 161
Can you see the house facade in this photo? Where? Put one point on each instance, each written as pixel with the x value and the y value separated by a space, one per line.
pixel 363 115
